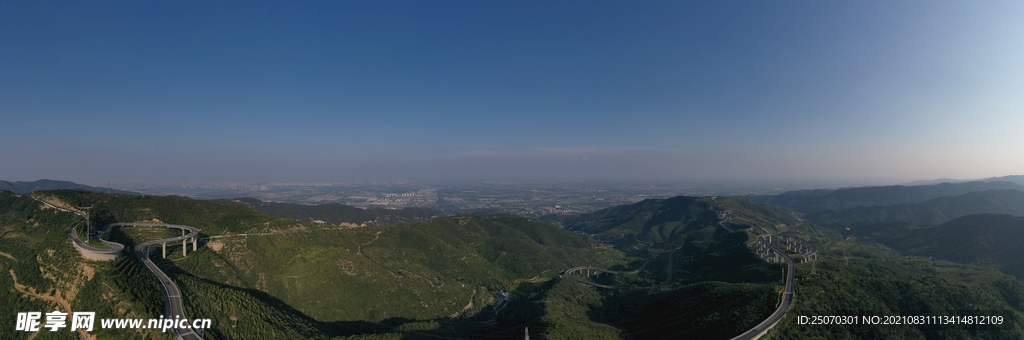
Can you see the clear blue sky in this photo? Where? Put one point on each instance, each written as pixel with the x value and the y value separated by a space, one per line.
pixel 510 90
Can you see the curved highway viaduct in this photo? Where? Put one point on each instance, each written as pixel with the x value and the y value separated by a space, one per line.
pixel 763 247
pixel 172 296
pixel 93 253
pixel 598 270
pixel 590 270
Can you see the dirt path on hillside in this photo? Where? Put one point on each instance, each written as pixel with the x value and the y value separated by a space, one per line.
pixel 359 251
pixel 55 298
pixel 8 256
pixel 56 203
pixel 468 306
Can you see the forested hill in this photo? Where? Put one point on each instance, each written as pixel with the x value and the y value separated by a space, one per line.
pixel 262 277
pixel 337 214
pixel 930 212
pixel 47 184
pixel 985 238
pixel 810 201
pixel 673 220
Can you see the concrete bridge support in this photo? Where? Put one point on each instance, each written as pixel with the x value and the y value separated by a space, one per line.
pixel 165 249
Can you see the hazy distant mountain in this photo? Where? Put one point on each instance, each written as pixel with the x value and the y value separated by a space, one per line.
pixel 930 212
pixel 934 181
pixel 985 238
pixel 336 214
pixel 48 184
pixel 1019 179
pixel 810 201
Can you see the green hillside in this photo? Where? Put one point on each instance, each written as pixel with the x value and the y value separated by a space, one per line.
pixel 930 212
pixel 675 221
pixel 418 271
pixel 983 239
pixel 652 220
pixel 213 218
pixel 36 252
pixel 718 279
pixel 810 201
pixel 259 276
pixel 492 275
pixel 865 279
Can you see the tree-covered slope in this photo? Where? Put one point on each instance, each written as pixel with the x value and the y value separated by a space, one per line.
pixel 258 276
pixel 212 218
pixel 675 220
pixel 40 271
pixel 865 279
pixel 418 271
pixel 985 239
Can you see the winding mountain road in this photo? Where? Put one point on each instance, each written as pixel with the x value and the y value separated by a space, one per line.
pixel 172 296
pixel 173 308
pixel 761 328
pixel 787 302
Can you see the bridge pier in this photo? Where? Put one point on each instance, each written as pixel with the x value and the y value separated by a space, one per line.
pixel 195 241
pixel 165 249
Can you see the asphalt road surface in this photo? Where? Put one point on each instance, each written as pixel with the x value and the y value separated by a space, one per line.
pixel 172 296
pixel 787 302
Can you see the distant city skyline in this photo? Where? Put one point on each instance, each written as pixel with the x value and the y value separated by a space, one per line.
pixel 256 92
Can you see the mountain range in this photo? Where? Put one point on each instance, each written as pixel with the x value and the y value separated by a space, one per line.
pixel 930 212
pixel 47 184
pixel 680 267
pixel 811 201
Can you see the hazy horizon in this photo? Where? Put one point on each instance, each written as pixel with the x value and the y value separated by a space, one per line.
pixel 729 92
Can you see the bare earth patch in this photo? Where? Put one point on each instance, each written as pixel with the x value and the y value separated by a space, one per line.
pixel 346 267
pixel 468 306
pixel 215 245
pixel 55 298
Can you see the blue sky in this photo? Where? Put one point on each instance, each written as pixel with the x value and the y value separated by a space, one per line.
pixel 511 90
